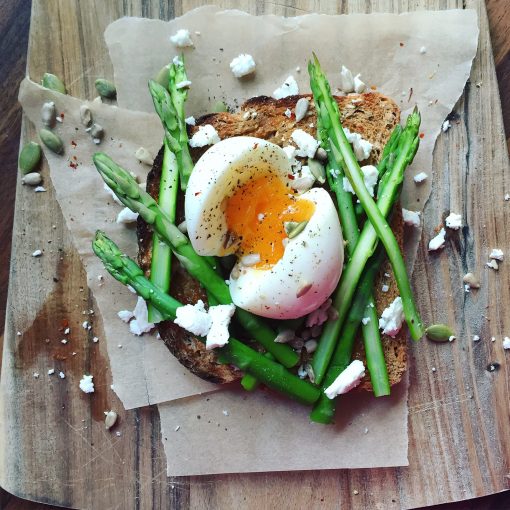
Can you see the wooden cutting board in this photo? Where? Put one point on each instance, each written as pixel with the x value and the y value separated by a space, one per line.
pixel 53 444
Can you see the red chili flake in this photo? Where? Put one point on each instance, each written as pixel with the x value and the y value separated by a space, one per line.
pixel 422 135
pixel 290 176
pixel 401 44
pixel 62 115
pixel 64 324
pixel 73 143
pixel 73 165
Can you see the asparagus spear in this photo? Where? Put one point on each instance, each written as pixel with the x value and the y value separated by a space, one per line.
pixel 269 372
pixel 328 111
pixel 138 200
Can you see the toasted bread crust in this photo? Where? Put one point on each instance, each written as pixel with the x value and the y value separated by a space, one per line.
pixel 372 115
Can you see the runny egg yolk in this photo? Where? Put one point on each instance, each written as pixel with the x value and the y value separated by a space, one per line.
pixel 256 214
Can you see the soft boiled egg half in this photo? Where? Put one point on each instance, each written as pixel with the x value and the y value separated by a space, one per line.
pixel 289 246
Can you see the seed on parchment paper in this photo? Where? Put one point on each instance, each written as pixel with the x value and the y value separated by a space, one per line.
pixel 110 419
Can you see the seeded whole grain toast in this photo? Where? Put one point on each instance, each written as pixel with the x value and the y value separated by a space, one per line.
pixel 373 116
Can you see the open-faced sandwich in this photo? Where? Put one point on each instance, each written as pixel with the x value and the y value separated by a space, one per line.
pixel 264 238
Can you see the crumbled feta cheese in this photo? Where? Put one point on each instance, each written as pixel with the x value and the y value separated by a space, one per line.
pixel 220 319
pixel 451 338
pixel 362 148
pixel 423 50
pixel 62 375
pixel 95 339
pixel 335 173
pixel 182 38
pixel 289 88
pixel 422 176
pixel 365 320
pixel 206 135
pixel 140 324
pixel 319 316
pixel 467 288
pixel 306 143
pixel 125 315
pixel 111 193
pixel 37 253
pixel 250 260
pixel 493 338
pixel 190 121
pixel 507 197
pixel 85 325
pixel 310 346
pixel 36 375
pixel 438 241
pixel 370 176
pixel 359 86
pixel 385 288
pixel 144 156
pixel 184 84
pixel 177 61
pixel 127 216
pixel 301 108
pixel 194 318
pixel 446 126
pixel 51 371
pixel 476 338
pixel 392 318
pixel 454 221
pixel 242 65
pixel 433 369
pixel 86 384
pixel 303 179
pixel 67 331
pixel 496 254
pixel 346 80
pixel 506 343
pixel 347 380
pixel 39 189
pixel 493 265
pixel 290 150
pixel 288 113
pixel 64 341
pixel 411 218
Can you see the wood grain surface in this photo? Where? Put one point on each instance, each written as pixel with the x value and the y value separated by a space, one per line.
pixel 53 446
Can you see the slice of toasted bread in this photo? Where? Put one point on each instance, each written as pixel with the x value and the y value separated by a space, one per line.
pixel 373 116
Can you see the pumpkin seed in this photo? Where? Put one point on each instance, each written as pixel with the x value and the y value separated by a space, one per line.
pixel 110 419
pixel 32 179
pixel 85 115
pixel 439 333
pixel 317 170
pixel 293 228
pixel 219 106
pixel 29 157
pixel 321 155
pixel 52 82
pixel 48 114
pixel 105 88
pixel 52 141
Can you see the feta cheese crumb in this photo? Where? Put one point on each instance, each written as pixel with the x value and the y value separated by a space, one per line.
pixel 67 331
pixel 86 384
pixel 496 254
pixel 507 197
pixel 36 375
pixel 125 315
pixel 62 375
pixel 493 338
pixel 438 241
pixel 451 338
pixel 95 339
pixel 85 325
pixel 182 38
pixel 51 371
pixel 506 343
pixel 346 80
pixel 206 135
pixel 193 318
pixel 411 218
pixel 288 88
pixel 347 380
pixel 184 84
pixel 39 189
pixel 454 221
pixel 127 216
pixel 370 177
pixel 190 121
pixel 359 86
pixel 362 148
pixel 433 369
pixel 492 264
pixel 467 288
pixel 365 320
pixel 140 324
pixel 64 341
pixel 310 346
pixel 423 50
pixel 476 338
pixel 177 428
pixel 392 318
pixel 225 412
pixel 446 126
pixel 242 65
pixel 303 179
pixel 288 113
pixel 306 143
pixel 220 319
pixel 385 288
pixel 37 253
pixel 422 176
pixel 250 259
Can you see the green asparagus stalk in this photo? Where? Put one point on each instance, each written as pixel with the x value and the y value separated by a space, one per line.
pixel 324 409
pixel 138 200
pixel 269 372
pixel 330 117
